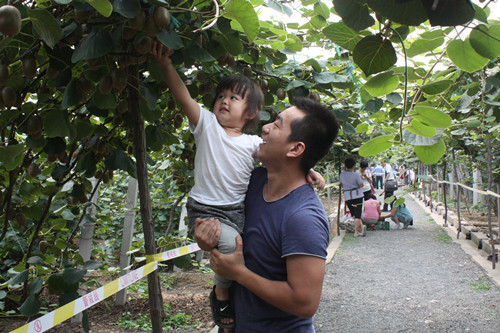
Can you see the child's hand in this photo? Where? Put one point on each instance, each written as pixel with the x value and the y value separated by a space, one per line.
pixel 162 57
pixel 315 178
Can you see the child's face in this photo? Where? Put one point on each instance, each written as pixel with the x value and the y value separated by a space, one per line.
pixel 229 108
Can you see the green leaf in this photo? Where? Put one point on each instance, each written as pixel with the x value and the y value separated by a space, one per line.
pixel 329 77
pixel 348 128
pixel 293 43
pixel 243 12
pixel 70 96
pixel 374 54
pixel 10 152
pixel 354 13
pixel 46 26
pixel 91 265
pixel 464 57
pixel 118 160
pixel 376 145
pixel 231 42
pixel 19 278
pixel 104 7
pixel 382 84
pixel 83 129
pixel 404 12
pixel 480 14
pixel 419 128
pixel 127 8
pixel 104 101
pixel 56 124
pixel 35 286
pixel 31 306
pixel 432 117
pixel 438 87
pixel 417 140
pixel 424 45
pixel 73 275
pixel 94 45
pixel 321 9
pixel 482 39
pixel 394 98
pixel 196 52
pixel 170 39
pixel 430 154
pixel 342 35
pixel 361 128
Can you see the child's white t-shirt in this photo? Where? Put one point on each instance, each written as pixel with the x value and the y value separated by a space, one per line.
pixel 223 164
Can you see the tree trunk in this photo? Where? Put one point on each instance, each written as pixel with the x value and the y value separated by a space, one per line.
pixel 155 298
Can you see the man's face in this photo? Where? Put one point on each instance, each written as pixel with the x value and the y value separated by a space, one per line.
pixel 383 164
pixel 275 135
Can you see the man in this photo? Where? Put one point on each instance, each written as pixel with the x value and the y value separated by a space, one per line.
pixel 379 176
pixel 280 263
pixel 388 189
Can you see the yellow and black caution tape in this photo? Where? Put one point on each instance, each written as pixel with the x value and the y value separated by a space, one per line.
pixel 90 299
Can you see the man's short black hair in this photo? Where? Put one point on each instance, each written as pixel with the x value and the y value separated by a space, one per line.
pixel 349 162
pixel 317 130
pixel 363 164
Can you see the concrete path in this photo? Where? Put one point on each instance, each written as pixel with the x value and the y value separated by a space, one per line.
pixel 414 280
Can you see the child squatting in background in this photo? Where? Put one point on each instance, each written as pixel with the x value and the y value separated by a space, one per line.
pixel 225 158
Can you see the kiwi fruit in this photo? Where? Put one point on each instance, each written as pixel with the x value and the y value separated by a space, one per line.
pixel 150 27
pixel 34 124
pixel 21 220
pixel 43 245
pixel 33 170
pixel 4 74
pixel 105 84
pixel 122 106
pixel 161 17
pixel 9 96
pixel 201 76
pixel 314 96
pixel 119 79
pixel 281 94
pixel 138 22
pixel 247 71
pixel 29 67
pixel 10 20
pixel 143 44
pixel 178 119
pixel 128 32
pixel 84 85
pixel 171 104
pixel 52 73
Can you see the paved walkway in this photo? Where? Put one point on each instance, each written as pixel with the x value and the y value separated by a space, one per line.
pixel 414 280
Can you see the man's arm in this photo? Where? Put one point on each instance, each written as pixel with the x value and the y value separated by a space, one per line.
pixel 176 85
pixel 299 295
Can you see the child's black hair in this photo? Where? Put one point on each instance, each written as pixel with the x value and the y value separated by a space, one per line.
pixel 249 90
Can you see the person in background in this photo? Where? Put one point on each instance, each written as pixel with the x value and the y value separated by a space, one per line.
pixel 371 211
pixel 389 176
pixel 379 176
pixel 399 214
pixel 352 185
pixel 366 176
pixel 372 171
pixel 411 176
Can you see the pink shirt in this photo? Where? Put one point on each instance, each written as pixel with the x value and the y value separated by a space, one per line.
pixel 371 209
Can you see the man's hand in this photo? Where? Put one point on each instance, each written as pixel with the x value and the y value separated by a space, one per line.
pixel 315 178
pixel 207 233
pixel 229 266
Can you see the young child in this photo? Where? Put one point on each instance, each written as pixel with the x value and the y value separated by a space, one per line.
pixel 371 211
pixel 225 158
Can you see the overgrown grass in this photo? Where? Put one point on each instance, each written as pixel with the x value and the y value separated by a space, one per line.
pixel 442 237
pixel 481 284
pixel 141 287
pixel 143 321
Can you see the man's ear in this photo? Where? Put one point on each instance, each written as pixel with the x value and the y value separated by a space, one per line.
pixel 297 149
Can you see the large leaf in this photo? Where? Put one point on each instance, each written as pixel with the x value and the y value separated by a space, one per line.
pixel 430 154
pixel 437 87
pixel 70 96
pixel 94 45
pixel 486 41
pixel 127 8
pixel 46 26
pixel 432 117
pixel 10 152
pixel 56 124
pixel 410 12
pixel 419 128
pixel 328 77
pixel 374 54
pixel 231 42
pixel 417 140
pixel 354 13
pixel 382 84
pixel 342 35
pixel 196 52
pixel 464 57
pixel 170 39
pixel 73 275
pixel 449 13
pixel 104 7
pixel 424 45
pixel 31 306
pixel 376 145
pixel 243 12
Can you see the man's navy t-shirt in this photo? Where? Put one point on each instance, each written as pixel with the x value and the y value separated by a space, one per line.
pixel 295 224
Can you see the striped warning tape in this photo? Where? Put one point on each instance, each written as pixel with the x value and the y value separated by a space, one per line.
pixel 90 299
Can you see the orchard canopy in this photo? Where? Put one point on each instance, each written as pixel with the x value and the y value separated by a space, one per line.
pixel 82 97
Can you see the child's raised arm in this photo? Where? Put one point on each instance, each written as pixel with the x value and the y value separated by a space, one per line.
pixel 176 85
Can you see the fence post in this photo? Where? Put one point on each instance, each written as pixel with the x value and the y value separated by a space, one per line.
pixel 477 181
pixel 128 231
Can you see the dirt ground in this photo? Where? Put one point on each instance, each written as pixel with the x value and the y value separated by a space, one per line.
pixel 188 294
